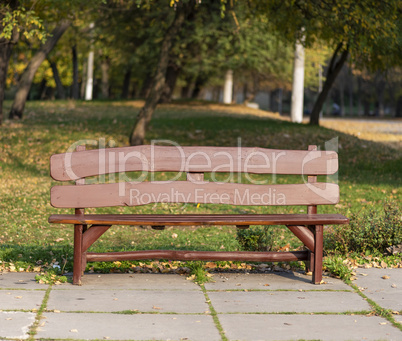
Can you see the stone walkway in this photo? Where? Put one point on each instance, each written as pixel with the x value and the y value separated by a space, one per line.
pixel 273 306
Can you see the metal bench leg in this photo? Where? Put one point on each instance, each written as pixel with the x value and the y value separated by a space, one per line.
pixel 77 269
pixel 318 251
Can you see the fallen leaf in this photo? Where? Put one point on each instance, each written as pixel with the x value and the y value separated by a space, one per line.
pixel 384 265
pixel 393 285
pixel 8 318
pixel 266 285
pixel 56 311
pixel 174 235
pixel 157 308
pixel 362 274
pixel 18 297
pixel 385 277
pixel 383 323
pixel 74 331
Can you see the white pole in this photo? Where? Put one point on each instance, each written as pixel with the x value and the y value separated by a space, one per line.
pixel 90 71
pixel 228 88
pixel 296 113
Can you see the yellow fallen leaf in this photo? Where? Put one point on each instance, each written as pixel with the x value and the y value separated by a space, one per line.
pixel 383 323
pixel 385 277
pixel 157 308
pixel 74 331
pixel 18 297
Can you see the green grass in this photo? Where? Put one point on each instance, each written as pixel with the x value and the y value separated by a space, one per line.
pixel 369 174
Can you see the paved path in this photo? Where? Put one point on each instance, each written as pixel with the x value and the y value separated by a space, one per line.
pixel 272 306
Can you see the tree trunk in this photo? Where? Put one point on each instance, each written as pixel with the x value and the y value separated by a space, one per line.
pixel 172 73
pixel 280 101
pixel 84 79
pixel 296 110
pixel 5 54
pixel 342 96
pixel 75 88
pixel 185 90
pixel 228 87
pixel 126 83
pixel 137 135
pixel 146 85
pixel 105 66
pixel 27 77
pixel 398 109
pixel 333 70
pixel 6 47
pixel 198 85
pixel 350 88
pixel 59 86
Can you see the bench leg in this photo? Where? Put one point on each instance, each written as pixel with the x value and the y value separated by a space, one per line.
pixel 77 269
pixel 318 251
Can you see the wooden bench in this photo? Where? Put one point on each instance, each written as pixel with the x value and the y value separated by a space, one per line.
pixel 194 161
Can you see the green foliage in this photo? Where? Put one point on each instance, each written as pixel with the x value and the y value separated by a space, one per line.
pixel 198 272
pixel 257 238
pixel 50 277
pixel 369 233
pixel 369 29
pixel 336 266
pixel 22 20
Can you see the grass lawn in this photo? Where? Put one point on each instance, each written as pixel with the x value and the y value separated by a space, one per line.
pixel 370 173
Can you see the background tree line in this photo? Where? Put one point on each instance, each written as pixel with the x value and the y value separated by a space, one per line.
pixel 159 50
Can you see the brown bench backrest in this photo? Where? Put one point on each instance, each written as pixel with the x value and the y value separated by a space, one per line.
pixel 194 161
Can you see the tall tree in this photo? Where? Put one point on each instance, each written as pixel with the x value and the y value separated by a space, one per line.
pixel 15 21
pixel 27 77
pixel 368 30
pixel 137 135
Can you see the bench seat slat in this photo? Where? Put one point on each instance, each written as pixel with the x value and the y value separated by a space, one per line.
pixel 199 219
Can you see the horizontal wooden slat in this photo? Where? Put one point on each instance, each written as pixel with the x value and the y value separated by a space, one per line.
pixel 142 193
pixel 199 219
pixel 76 165
pixel 199 255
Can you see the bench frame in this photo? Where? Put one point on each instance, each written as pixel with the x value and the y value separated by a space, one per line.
pixel 90 227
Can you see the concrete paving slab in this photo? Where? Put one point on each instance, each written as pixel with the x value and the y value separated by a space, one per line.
pixel 398 319
pixel 132 281
pixel 20 280
pixel 286 301
pixel 15 325
pixel 21 299
pixel 308 327
pixel 128 327
pixel 384 286
pixel 120 300
pixel 272 281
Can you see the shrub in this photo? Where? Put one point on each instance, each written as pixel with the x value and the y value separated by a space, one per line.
pixel 257 238
pixel 367 233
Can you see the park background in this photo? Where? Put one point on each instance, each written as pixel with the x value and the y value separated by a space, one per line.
pixel 134 71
